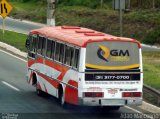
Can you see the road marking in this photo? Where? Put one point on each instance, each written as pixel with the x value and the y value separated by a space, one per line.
pixel 133 109
pixel 9 85
pixel 13 56
pixel 150 108
pixel 145 115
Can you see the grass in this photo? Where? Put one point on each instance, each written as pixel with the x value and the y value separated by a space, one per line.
pixel 34 11
pixel 151 61
pixel 15 39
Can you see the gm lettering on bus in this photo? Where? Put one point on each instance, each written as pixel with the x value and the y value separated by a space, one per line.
pixel 116 52
pixel 115 55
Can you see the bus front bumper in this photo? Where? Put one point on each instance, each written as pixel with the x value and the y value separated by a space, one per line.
pixel 109 102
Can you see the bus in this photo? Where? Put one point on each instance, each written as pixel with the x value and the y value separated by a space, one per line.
pixel 81 66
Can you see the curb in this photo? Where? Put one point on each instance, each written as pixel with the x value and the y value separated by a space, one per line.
pixel 8 48
pixel 26 21
pixel 12 50
pixel 150 108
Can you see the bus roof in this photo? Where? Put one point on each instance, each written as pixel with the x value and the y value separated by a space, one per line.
pixel 78 36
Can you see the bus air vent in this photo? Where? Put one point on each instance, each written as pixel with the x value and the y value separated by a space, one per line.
pixel 84 31
pixel 94 34
pixel 70 27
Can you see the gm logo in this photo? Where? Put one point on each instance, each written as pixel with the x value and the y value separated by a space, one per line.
pixel 104 53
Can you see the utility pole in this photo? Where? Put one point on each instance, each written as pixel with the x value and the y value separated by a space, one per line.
pixel 51 12
pixel 153 3
pixel 121 17
pixel 129 4
pixel 120 5
pixel 101 3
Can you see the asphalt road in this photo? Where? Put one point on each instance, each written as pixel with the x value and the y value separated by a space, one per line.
pixel 18 99
pixel 25 26
pixel 19 25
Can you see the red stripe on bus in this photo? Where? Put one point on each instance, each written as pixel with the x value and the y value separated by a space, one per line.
pixel 58 67
pixel 53 82
pixel 39 59
pixel 30 62
pixel 73 83
pixel 71 94
pixel 54 65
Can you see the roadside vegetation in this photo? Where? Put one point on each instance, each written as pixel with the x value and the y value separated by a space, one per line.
pixel 140 23
pixel 15 39
pixel 151 66
pixel 151 61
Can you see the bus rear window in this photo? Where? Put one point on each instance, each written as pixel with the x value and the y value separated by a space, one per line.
pixel 112 55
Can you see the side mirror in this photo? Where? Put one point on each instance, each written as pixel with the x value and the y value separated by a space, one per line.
pixel 27 43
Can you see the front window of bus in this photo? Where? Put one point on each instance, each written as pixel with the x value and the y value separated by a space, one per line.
pixel 112 55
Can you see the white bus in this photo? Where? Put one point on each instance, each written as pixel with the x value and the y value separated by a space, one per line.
pixel 81 66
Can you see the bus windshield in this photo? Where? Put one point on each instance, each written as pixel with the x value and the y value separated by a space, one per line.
pixel 112 55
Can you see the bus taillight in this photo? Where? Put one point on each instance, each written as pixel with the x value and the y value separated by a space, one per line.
pixel 137 94
pixel 93 94
pixel 131 94
pixel 126 94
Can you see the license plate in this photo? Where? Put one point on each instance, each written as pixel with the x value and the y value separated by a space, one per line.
pixel 112 102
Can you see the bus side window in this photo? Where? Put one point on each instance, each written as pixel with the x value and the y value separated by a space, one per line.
pixel 49 48
pixel 40 41
pixel 43 46
pixel 76 59
pixel 34 38
pixel 31 43
pixel 57 51
pixel 67 55
pixel 61 58
pixel 71 56
pixel 53 49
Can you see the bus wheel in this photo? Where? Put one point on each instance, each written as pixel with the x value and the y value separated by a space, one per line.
pixel 38 91
pixel 61 97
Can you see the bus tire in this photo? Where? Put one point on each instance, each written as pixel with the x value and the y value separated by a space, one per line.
pixel 61 97
pixel 38 91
